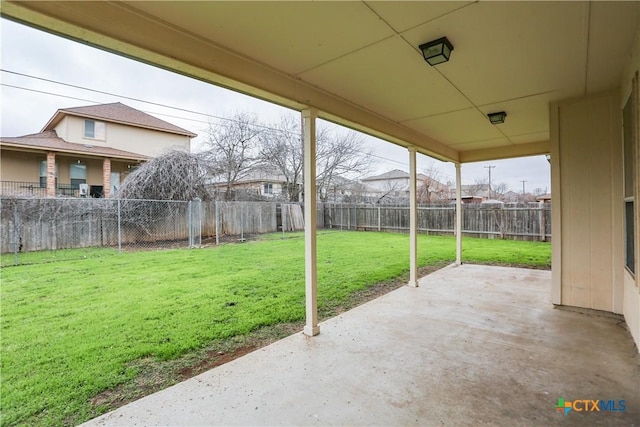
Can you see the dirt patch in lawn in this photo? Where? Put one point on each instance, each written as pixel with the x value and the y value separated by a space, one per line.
pixel 151 375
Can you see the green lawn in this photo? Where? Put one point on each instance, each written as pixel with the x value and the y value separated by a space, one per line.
pixel 73 329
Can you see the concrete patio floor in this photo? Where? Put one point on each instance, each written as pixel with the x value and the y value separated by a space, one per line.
pixel 473 345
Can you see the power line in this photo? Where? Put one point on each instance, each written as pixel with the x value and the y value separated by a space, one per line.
pixel 47 93
pixel 164 114
pixel 102 92
pixel 109 93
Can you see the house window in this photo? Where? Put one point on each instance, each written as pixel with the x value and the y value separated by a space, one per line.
pixel 94 130
pixel 267 189
pixel 629 170
pixel 43 174
pixel 78 174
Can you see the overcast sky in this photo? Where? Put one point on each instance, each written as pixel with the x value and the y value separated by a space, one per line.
pixel 38 54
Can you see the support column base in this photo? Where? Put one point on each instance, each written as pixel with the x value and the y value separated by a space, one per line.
pixel 311 331
pixel 412 284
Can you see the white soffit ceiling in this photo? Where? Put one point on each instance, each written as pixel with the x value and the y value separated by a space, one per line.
pixel 362 58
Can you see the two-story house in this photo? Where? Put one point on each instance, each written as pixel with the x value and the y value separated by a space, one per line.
pixel 91 148
pixel 395 183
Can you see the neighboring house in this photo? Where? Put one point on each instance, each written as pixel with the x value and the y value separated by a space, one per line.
pixel 544 198
pixel 473 193
pixel 395 183
pixel 89 148
pixel 511 196
pixel 344 190
pixel 259 182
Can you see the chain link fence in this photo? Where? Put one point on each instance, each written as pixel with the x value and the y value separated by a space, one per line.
pixel 37 230
pixel 42 229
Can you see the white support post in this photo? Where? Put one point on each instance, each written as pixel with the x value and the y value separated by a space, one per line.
pixel 413 220
pixel 458 214
pixel 311 284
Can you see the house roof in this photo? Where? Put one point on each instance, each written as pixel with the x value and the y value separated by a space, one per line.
pixel 263 173
pixel 393 174
pixel 257 174
pixel 117 113
pixel 50 141
pixel 400 174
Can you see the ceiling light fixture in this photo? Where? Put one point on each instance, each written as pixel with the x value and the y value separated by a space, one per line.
pixel 497 118
pixel 437 51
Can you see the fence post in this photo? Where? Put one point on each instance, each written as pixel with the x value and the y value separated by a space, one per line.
pixel 379 219
pixel 119 229
pixel 241 222
pixel 283 214
pixel 199 203
pixel 216 213
pixel 16 235
pixel 190 222
pixel 541 221
pixel 356 217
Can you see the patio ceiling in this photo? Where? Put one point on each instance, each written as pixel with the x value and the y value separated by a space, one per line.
pixel 359 64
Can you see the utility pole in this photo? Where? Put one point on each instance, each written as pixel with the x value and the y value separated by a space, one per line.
pixel 523 181
pixel 489 167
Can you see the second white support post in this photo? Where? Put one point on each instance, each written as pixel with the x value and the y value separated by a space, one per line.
pixel 310 259
pixel 458 214
pixel 413 220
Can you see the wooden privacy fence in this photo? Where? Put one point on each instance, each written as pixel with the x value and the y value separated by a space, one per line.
pixel 38 224
pixel 521 222
pixel 35 224
pixel 240 218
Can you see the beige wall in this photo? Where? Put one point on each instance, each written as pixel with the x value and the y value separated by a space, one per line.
pixel 631 308
pixel 25 167
pixel 128 138
pixel 586 139
pixel 587 167
pixel 20 166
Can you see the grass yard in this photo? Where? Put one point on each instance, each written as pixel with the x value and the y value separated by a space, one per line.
pixel 74 331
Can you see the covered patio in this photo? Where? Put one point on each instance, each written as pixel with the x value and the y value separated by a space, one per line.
pixel 473 345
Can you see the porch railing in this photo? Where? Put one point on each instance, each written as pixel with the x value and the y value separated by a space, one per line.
pixel 35 189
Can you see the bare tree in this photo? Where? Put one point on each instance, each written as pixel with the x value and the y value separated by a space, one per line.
pixel 499 190
pixel 430 188
pixel 231 149
pixel 341 155
pixel 478 187
pixel 281 150
pixel 338 154
pixel 176 175
pixel 390 191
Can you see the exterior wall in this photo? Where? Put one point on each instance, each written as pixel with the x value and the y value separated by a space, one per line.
pixel 20 166
pixel 586 134
pixel 24 166
pixel 631 306
pixel 129 138
pixel 254 187
pixel 397 184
